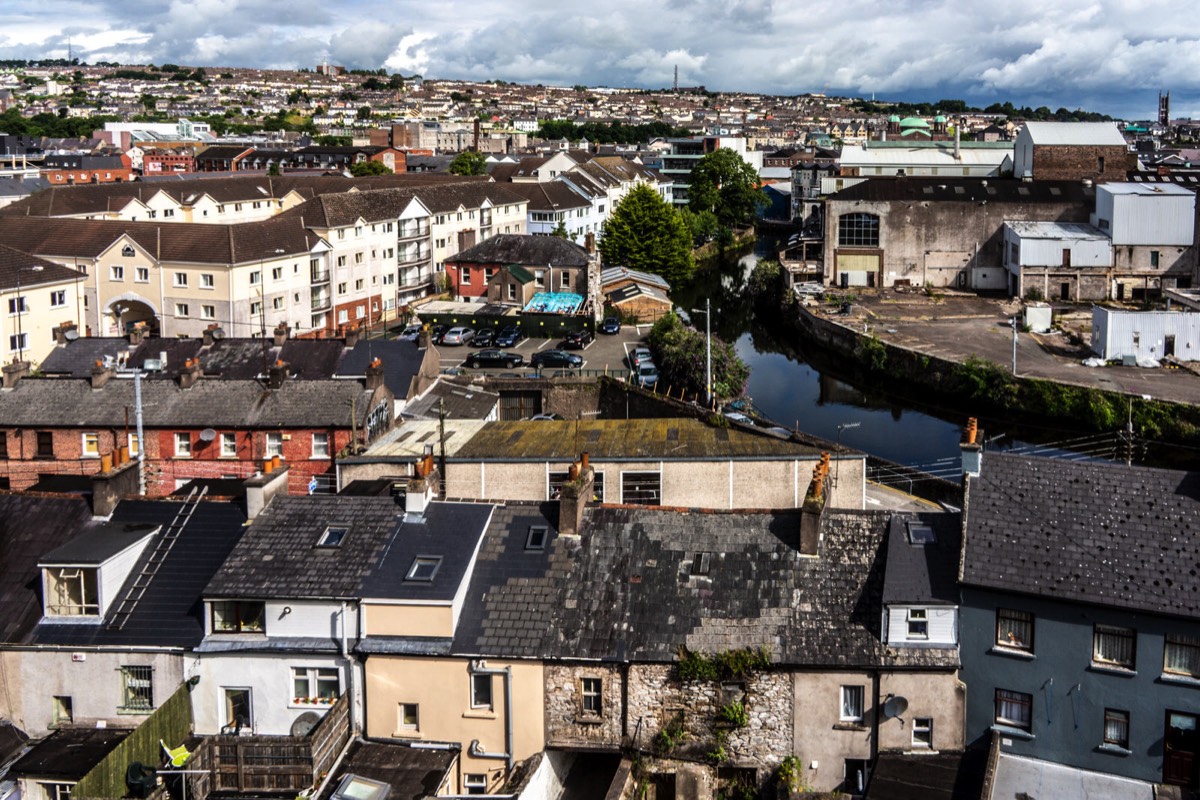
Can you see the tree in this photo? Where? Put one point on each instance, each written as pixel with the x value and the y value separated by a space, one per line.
pixel 273 170
pixel 365 168
pixel 646 233
pixel 561 231
pixel 468 162
pixel 723 183
pixel 364 112
pixel 682 352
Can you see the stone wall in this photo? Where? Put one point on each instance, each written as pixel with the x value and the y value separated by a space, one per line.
pixel 1077 162
pixel 566 724
pixel 656 696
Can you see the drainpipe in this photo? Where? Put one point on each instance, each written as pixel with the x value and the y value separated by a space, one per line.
pixel 349 674
pixel 476 750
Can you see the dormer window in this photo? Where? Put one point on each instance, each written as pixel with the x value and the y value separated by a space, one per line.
pixel 71 592
pixel 238 616
pixel 700 563
pixel 423 568
pixel 537 538
pixel 333 536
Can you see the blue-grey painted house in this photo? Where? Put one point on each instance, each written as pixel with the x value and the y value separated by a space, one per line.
pixel 1080 614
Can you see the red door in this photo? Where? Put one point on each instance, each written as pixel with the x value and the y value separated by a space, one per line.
pixel 1182 743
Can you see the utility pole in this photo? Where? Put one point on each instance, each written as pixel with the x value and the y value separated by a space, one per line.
pixel 1014 357
pixel 708 395
pixel 137 404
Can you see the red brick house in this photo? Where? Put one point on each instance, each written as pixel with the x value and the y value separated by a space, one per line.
pixel 168 162
pixel 510 263
pixel 81 168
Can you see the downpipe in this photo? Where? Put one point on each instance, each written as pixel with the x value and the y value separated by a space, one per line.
pixel 476 750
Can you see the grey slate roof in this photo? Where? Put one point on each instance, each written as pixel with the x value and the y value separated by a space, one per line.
pixel 169 614
pixel 926 573
pixel 515 248
pixel 68 754
pixel 1107 534
pixel 460 401
pixel 412 773
pixel 72 403
pixel 624 589
pixel 968 190
pixel 98 545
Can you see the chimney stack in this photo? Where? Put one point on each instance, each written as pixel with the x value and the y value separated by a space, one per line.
pixel 374 375
pixel 352 334
pixel 100 375
pixel 422 487
pixel 574 496
pixel 136 334
pixel 972 449
pixel 60 333
pixel 14 372
pixel 190 373
pixel 276 374
pixel 281 334
pixel 211 333
pixel 815 501
pixel 590 243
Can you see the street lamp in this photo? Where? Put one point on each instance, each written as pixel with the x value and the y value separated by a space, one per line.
pixel 837 467
pixel 20 308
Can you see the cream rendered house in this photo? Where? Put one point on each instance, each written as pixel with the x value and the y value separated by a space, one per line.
pixel 36 295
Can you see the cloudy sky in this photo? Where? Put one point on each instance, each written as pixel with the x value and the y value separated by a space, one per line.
pixel 1108 55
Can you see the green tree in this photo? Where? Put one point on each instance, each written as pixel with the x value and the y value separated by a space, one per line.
pixel 646 233
pixel 704 225
pixel 396 82
pixel 364 112
pixel 468 162
pixel 723 183
pixel 681 354
pixel 365 168
pixel 561 231
pixel 273 170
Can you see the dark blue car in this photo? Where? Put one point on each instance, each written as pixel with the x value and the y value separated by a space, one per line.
pixel 509 336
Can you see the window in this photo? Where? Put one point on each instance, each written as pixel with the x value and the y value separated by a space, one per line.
pixel 256 277
pixel 1181 655
pixel 360 312
pixel 239 709
pixel 277 303
pixel 852 704
pixel 3 444
pixel 18 341
pixel 641 488
pixel 138 688
pixel 57 791
pixel 1116 728
pixel 71 592
pixel 127 251
pixel 181 280
pixel 536 540
pixel 141 274
pixel 17 305
pixel 208 312
pixel 237 616
pixel 475 783
pixel 274 445
pixel 1154 258
pixel 1014 709
pixel 466 276
pixel 591 697
pixel 1014 629
pixel 341 261
pixel 229 445
pixel 333 536
pixel 277 273
pixel 116 273
pixel 858 230
pixel 557 479
pixel 341 288
pixel 408 717
pixel 181 309
pixel 62 710
pixel 701 563
pixel 358 285
pixel 358 258
pixel 423 568
pixel 58 298
pixel 512 291
pixel 922 732
pixel 183 445
pixel 481 691
pixel 918 624
pixel 207 281
pixel 133 444
pixel 91 445
pixel 315 684
pixel 539 277
pixel 1113 647
pixel 320 445
pixel 256 308
pixel 45 444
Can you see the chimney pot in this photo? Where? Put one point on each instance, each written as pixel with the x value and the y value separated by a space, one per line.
pixel 352 335
pixel 281 335
pixel 106 462
pixel 123 453
pixel 266 468
pixel 14 372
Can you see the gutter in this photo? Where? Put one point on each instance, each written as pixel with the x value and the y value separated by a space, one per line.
pixel 476 750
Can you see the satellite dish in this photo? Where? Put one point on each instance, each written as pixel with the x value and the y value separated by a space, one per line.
pixel 305 723
pixel 71 335
pixel 218 333
pixel 207 435
pixel 894 707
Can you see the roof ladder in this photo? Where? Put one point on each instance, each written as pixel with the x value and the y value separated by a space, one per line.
pixel 161 549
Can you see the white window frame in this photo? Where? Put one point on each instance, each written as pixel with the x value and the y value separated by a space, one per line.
pixel 482 691
pixel 134 444
pixel 314 677
pixel 179 280
pixel 917 623
pixel 141 274
pixel 402 723
pixel 183 445
pixel 208 312
pixel 58 298
pixel 137 684
pixel 853 703
pixel 90 444
pixel 273 445
pixel 589 696
pixel 181 310
pixel 208 280
pixel 228 445
pixel 320 445
pixel 922 733
pixel 475 783
pixel 116 273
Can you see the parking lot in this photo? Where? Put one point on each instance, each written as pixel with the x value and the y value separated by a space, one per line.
pixel 607 353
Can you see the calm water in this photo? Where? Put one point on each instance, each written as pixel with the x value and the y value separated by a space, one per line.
pixel 793 393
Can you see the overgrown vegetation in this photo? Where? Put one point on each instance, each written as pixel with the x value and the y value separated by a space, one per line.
pixel 788 774
pixel 734 714
pixel 724 665
pixel 612 132
pixel 670 735
pixel 646 233
pixel 950 107
pixel 680 353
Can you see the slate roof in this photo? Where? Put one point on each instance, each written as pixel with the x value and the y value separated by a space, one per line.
pixel 99 545
pixel 401 362
pixel 624 589
pixel 72 403
pixel 412 773
pixel 170 613
pixel 926 573
pixel 278 556
pixel 550 196
pixel 14 262
pixel 461 401
pixel 928 776
pixel 30 525
pixel 515 248
pixel 614 274
pixel 673 439
pixel 1107 534
pixel 68 754
pixel 968 190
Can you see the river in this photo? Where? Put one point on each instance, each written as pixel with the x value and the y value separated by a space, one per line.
pixel 793 393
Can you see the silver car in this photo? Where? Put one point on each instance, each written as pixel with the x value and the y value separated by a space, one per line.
pixel 459 335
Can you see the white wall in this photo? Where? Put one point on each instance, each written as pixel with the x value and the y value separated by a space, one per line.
pixel 942 622
pixel 114 572
pixel 1148 218
pixel 1114 333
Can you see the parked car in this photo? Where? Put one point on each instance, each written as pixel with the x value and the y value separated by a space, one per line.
pixel 577 340
pixel 437 332
pixel 509 336
pixel 555 358
pixel 494 358
pixel 546 417
pixel 610 326
pixel 646 374
pixel 459 335
pixel 411 332
pixel 484 337
pixel 640 355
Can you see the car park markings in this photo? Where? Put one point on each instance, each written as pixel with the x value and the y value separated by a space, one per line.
pixel 543 344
